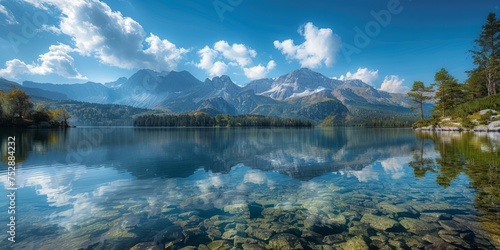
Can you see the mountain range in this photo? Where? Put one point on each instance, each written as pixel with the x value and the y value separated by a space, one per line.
pixel 302 93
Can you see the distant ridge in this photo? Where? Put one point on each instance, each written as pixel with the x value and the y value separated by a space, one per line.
pixel 302 93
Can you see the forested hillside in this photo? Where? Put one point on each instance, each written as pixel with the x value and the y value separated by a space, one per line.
pixel 200 119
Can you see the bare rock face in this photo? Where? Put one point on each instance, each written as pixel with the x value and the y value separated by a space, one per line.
pixel 485 111
pixel 480 128
pixel 494 126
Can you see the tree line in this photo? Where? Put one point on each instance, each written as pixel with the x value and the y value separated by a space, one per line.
pixel 17 109
pixel 483 81
pixel 94 114
pixel 200 119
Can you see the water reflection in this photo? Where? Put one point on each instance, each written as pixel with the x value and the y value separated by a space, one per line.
pixel 300 153
pixel 476 155
pixel 113 188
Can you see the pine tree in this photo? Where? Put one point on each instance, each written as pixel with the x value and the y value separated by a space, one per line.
pixel 419 94
pixel 487 54
pixel 449 93
pixel 475 87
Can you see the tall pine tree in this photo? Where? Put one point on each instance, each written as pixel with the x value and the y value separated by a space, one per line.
pixel 419 93
pixel 486 55
pixel 449 93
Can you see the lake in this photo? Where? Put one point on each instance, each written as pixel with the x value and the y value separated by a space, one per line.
pixel 251 188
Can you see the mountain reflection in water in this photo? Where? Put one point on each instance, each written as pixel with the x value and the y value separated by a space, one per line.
pixel 105 188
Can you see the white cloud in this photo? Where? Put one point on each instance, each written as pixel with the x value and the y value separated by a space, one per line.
pixel 394 166
pixel 8 15
pixel 56 61
pixel 166 54
pixel 363 74
pixel 393 84
pixel 237 52
pixel 219 68
pixel 96 30
pixel 364 175
pixel 207 58
pixel 259 71
pixel 216 61
pixel 255 177
pixel 320 47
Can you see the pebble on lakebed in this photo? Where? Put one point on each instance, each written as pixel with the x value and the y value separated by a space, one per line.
pixel 389 225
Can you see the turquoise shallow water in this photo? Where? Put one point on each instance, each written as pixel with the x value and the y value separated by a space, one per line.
pixel 345 188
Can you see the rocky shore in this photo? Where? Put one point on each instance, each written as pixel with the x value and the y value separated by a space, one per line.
pixel 491 124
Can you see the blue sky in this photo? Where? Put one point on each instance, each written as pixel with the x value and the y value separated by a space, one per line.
pixel 387 43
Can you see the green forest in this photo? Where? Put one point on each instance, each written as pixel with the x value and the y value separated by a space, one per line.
pixel 94 114
pixel 200 119
pixel 479 91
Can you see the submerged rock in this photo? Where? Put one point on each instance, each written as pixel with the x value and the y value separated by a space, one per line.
pixel 231 233
pixel 433 217
pixel 357 242
pixel 146 246
pixel 219 245
pixel 236 208
pixel 334 239
pixel 437 208
pixel 252 247
pixel 452 225
pixel 379 222
pixel 130 221
pixel 195 236
pixel 358 228
pixel 417 226
pixel 398 211
pixel 169 234
pixel 285 241
pixel 318 225
pixel 414 242
pixel 339 219
pixel 432 239
pixel 455 240
pixel 243 240
pixel 258 233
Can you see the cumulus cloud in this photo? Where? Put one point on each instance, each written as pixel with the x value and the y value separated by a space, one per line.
pixel 8 15
pixel 394 166
pixel 364 175
pixel 216 61
pixel 259 71
pixel 363 74
pixel 208 63
pixel 56 61
pixel 394 84
pixel 96 30
pixel 237 52
pixel 320 47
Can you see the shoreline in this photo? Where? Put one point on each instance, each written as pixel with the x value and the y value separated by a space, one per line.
pixel 481 129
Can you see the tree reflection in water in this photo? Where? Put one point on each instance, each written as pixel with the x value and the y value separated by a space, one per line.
pixel 476 155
